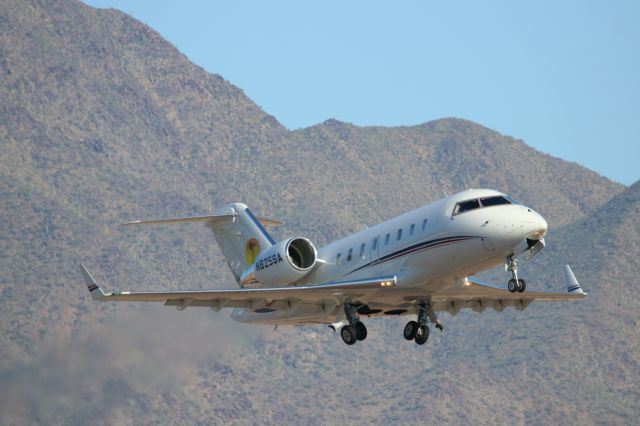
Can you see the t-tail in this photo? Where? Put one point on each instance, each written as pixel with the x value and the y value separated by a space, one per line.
pixel 240 235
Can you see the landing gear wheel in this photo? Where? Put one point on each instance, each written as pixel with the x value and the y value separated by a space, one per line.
pixel 521 286
pixel 513 285
pixel 410 330
pixel 422 335
pixel 348 334
pixel 361 331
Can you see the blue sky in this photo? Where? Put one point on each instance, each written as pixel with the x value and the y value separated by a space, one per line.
pixel 562 76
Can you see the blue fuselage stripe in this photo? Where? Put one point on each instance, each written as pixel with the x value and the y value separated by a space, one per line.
pixel 414 249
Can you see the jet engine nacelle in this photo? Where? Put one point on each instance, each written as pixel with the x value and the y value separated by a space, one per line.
pixel 286 262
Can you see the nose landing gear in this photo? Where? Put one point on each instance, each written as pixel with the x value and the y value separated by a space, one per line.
pixel 515 283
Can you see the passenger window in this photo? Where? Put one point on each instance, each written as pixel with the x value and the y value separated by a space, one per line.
pixel 349 255
pixel 399 234
pixel 338 258
pixel 386 239
pixel 374 245
pixel 362 250
pixel 424 224
pixel 413 227
pixel 466 206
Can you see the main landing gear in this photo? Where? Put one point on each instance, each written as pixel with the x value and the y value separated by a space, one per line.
pixel 355 330
pixel 514 284
pixel 419 330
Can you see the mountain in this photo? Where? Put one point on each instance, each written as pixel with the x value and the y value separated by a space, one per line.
pixel 445 156
pixel 103 121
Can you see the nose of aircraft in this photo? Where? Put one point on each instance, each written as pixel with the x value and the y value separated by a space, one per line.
pixel 536 225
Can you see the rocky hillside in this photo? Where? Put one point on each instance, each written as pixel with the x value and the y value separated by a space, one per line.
pixel 103 121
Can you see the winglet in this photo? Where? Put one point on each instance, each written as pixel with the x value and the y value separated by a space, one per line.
pixel 571 282
pixel 92 285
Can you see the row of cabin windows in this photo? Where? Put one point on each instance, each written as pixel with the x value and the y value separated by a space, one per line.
pixel 350 253
pixel 374 244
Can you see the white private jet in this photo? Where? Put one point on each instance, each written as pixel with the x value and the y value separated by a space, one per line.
pixel 419 263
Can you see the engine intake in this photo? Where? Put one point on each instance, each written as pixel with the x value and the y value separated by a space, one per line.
pixel 286 262
pixel 302 253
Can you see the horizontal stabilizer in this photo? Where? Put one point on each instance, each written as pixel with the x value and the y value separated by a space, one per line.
pixel 216 218
pixel 265 221
pixel 220 218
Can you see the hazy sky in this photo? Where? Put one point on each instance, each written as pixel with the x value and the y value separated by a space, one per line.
pixel 562 76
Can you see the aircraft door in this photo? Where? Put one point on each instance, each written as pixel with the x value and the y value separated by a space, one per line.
pixel 375 249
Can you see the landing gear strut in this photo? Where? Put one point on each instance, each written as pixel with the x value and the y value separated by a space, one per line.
pixel 422 333
pixel 355 330
pixel 419 330
pixel 514 284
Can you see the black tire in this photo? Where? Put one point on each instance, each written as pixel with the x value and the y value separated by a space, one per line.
pixel 422 335
pixel 410 330
pixel 348 334
pixel 521 286
pixel 512 285
pixel 361 331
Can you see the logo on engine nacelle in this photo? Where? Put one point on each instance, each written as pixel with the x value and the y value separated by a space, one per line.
pixel 251 250
pixel 268 261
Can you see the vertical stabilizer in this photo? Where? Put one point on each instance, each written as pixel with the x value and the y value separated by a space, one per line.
pixel 241 239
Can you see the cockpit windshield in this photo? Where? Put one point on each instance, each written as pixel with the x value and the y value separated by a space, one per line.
pixel 465 206
pixel 494 201
pixel 468 205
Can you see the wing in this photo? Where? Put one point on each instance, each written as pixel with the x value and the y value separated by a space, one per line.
pixel 469 294
pixel 478 295
pixel 339 292
pixel 379 294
